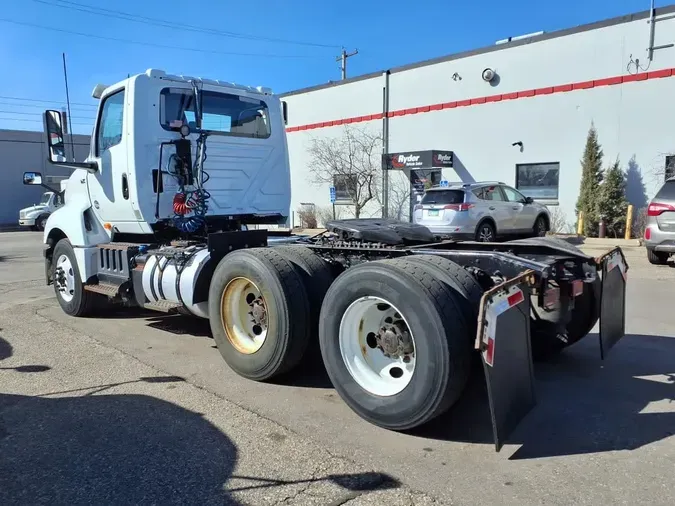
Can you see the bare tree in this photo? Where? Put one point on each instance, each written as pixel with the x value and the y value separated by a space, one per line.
pixel 325 214
pixel 399 196
pixel 351 163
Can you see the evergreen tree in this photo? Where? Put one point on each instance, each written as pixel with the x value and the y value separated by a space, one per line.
pixel 591 177
pixel 612 202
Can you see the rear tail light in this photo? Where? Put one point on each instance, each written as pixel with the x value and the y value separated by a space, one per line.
pixel 655 209
pixel 458 207
pixel 648 233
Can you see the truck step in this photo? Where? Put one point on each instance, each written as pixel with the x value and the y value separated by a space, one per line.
pixel 109 289
pixel 165 306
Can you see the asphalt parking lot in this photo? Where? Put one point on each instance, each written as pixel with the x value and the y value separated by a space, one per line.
pixel 140 408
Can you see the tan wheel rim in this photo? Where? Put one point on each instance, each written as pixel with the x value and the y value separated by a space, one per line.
pixel 244 316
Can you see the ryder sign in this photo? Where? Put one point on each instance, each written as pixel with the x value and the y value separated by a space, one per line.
pixel 432 159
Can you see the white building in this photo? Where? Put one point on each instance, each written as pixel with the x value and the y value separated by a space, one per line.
pixel 532 116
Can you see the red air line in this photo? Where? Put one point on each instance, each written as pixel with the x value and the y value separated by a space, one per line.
pixel 563 88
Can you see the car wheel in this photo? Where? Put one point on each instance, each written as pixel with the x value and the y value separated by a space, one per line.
pixel 485 232
pixel 657 257
pixel 41 222
pixel 540 227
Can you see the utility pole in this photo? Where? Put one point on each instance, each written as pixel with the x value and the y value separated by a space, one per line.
pixel 343 61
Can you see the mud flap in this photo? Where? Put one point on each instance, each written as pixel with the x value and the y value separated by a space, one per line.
pixel 503 339
pixel 614 268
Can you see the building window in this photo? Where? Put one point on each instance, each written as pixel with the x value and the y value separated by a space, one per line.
pixel 670 167
pixel 538 180
pixel 345 188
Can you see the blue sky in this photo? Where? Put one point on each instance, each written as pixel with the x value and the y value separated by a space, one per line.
pixel 297 41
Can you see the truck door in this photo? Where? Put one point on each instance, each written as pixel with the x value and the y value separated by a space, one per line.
pixel 109 186
pixel 523 213
pixel 499 209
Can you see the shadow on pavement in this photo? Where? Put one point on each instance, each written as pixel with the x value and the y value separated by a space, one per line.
pixel 125 449
pixel 584 405
pixel 6 349
pixel 110 449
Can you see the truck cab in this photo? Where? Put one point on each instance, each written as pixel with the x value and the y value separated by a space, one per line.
pixel 144 151
pixel 36 215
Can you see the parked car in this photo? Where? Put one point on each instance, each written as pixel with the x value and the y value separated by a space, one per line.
pixel 482 211
pixel 659 236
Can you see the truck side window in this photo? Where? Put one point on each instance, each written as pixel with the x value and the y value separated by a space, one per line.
pixel 110 123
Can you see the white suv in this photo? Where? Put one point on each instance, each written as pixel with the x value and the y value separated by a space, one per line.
pixel 481 211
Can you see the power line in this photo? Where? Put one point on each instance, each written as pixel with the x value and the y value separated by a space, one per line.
pixel 42 106
pixel 44 101
pixel 40 121
pixel 136 18
pixel 39 114
pixel 152 44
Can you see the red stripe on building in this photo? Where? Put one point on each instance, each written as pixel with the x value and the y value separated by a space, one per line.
pixel 517 95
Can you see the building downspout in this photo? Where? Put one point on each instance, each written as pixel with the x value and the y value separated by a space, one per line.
pixel 385 144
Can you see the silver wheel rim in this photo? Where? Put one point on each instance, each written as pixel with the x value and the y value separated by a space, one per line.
pixel 377 346
pixel 244 315
pixel 64 278
pixel 485 234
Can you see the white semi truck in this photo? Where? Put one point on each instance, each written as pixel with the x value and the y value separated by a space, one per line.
pixel 155 217
pixel 36 216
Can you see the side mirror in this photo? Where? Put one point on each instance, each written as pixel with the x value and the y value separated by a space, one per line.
pixel 529 200
pixel 56 144
pixel 32 178
pixel 284 108
pixel 55 140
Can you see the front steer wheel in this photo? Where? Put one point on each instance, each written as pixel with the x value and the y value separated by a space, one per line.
pixel 68 286
pixel 258 310
pixel 393 342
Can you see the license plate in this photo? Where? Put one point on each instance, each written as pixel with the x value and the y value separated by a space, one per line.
pixel 433 212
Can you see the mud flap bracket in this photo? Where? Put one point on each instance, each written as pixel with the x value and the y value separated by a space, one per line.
pixel 613 269
pixel 503 339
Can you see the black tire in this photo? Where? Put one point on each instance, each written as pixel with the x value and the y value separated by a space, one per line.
pixel 460 280
pixel 287 303
pixel 442 345
pixel 83 302
pixel 540 226
pixel 317 278
pixel 657 257
pixel 485 232
pixel 584 316
pixel 40 222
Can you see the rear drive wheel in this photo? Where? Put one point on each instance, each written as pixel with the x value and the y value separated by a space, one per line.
pixel 257 308
pixel 585 314
pixel 317 278
pixel 486 232
pixel 657 257
pixel 393 342
pixel 458 279
pixel 68 286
